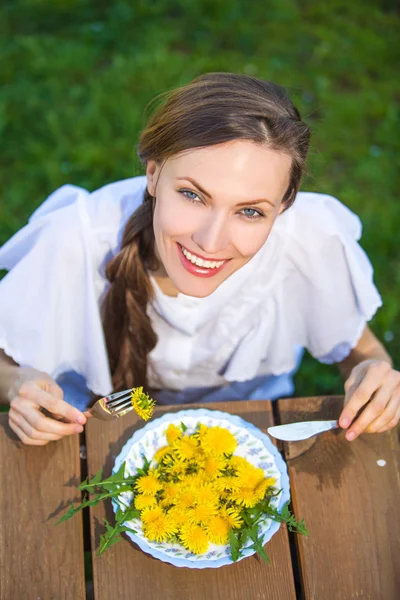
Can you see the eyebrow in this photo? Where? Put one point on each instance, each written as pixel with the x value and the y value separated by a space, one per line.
pixel 203 191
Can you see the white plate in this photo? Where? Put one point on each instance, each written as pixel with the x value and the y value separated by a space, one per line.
pixel 253 445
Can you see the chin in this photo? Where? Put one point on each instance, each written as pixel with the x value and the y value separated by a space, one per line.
pixel 197 289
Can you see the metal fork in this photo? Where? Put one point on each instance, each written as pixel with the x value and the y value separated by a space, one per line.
pixel 112 406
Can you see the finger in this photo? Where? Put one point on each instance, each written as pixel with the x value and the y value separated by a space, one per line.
pixel 55 390
pixel 88 414
pixel 355 399
pixel 52 388
pixel 388 414
pixel 30 432
pixel 53 415
pixel 393 423
pixel 374 409
pixel 36 394
pixel 40 423
pixel 24 438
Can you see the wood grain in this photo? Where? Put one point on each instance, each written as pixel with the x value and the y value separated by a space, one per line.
pixel 37 559
pixel 350 504
pixel 125 572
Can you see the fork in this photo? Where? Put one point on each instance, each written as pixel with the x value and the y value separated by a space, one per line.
pixel 112 406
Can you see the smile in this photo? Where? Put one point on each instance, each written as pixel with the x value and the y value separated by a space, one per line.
pixel 200 266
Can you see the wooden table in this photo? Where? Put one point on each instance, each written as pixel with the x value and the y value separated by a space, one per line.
pixel 351 506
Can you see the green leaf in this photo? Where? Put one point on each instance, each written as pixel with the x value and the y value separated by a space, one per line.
pixel 234 546
pixel 183 427
pixel 70 513
pixel 264 555
pixel 259 548
pixel 93 482
pixel 112 535
pixel 126 528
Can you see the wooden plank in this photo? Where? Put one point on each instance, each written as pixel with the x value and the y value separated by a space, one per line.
pixel 125 572
pixel 37 559
pixel 350 504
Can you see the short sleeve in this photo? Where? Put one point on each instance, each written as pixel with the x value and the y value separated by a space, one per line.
pixel 49 309
pixel 335 293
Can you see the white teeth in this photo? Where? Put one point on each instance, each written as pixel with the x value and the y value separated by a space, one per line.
pixel 207 264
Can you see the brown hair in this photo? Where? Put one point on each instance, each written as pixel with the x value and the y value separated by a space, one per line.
pixel 213 109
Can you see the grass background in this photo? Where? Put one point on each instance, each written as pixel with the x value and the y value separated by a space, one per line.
pixel 77 75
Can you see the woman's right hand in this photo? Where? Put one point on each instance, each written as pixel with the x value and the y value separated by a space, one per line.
pixel 32 392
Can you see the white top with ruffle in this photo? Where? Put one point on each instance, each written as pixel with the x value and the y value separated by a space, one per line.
pixel 310 286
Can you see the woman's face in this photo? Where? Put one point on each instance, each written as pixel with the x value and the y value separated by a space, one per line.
pixel 214 210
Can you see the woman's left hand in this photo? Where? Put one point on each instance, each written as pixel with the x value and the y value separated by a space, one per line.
pixel 372 381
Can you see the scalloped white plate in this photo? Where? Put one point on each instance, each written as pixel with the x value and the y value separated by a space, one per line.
pixel 253 445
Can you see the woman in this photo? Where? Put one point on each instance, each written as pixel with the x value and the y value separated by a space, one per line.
pixel 199 281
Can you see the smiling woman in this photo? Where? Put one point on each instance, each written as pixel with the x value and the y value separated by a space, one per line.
pixel 199 281
pixel 211 234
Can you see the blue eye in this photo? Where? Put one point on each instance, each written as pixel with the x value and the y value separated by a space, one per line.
pixel 251 213
pixel 190 195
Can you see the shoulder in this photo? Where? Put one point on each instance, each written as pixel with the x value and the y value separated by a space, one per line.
pixel 314 233
pixel 71 218
pixel 321 215
pixel 110 206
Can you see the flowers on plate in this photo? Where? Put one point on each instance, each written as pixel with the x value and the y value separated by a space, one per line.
pixel 196 490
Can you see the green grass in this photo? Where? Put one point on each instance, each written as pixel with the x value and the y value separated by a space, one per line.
pixel 77 75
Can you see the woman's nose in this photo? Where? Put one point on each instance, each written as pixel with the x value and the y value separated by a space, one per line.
pixel 213 235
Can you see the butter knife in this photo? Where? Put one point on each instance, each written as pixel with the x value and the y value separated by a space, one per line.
pixel 294 432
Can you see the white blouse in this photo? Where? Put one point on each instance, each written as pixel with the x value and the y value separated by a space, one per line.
pixel 310 286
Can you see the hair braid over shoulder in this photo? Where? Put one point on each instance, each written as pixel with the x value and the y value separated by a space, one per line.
pixel 127 327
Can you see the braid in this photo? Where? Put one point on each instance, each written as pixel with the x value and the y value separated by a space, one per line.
pixel 127 327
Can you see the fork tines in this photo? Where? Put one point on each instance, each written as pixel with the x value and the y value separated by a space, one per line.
pixel 119 401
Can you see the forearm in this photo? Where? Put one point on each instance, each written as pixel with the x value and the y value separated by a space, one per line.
pixel 368 348
pixel 8 374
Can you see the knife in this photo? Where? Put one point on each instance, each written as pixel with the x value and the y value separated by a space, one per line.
pixel 294 432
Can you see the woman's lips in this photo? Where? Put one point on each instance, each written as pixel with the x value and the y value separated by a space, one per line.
pixel 196 269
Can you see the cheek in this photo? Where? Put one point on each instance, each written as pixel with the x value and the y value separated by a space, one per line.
pixel 166 221
pixel 173 218
pixel 248 238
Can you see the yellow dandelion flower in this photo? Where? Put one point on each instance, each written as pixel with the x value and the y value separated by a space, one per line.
pixel 207 496
pixel 148 484
pixel 160 529
pixel 186 448
pixel 196 480
pixel 232 516
pixel 178 516
pixel 142 403
pixel 151 514
pixel 214 464
pixel 218 530
pixel 172 433
pixel 176 471
pixel 142 501
pixel 271 481
pixel 194 538
pixel 262 487
pixel 250 477
pixel 222 484
pixel 187 498
pixel 246 497
pixel 238 462
pixel 202 430
pixel 260 490
pixel 171 493
pixel 161 452
pixel 218 440
pixel 174 467
pixel 200 514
